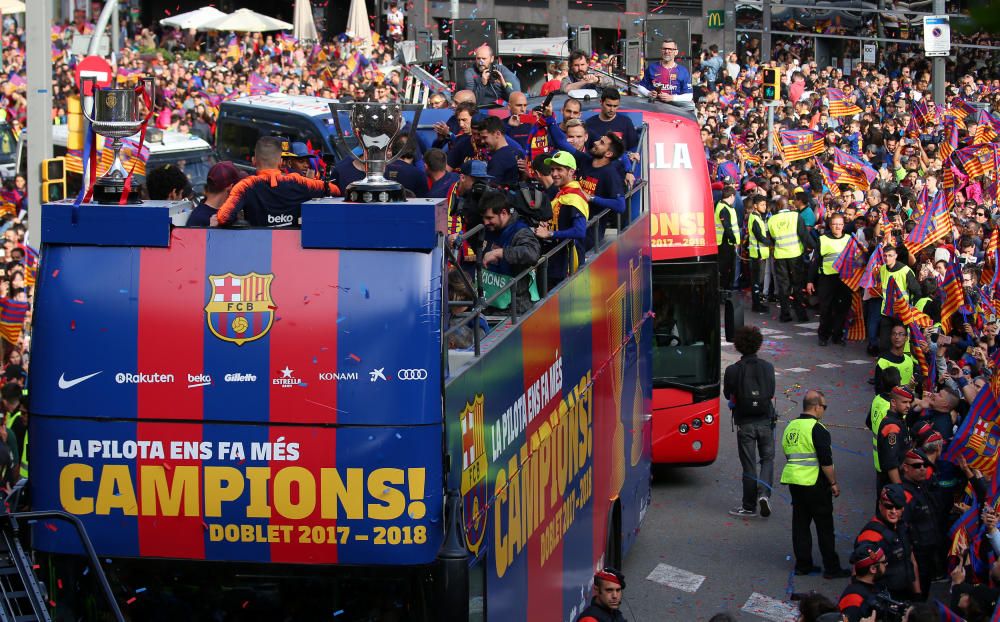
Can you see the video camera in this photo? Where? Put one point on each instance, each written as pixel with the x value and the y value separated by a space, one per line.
pixel 889 609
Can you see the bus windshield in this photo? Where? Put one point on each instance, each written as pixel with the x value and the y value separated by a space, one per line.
pixel 686 325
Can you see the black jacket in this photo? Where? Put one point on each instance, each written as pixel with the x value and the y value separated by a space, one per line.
pixel 731 382
pixel 597 613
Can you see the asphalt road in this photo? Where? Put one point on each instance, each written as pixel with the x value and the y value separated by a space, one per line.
pixel 693 559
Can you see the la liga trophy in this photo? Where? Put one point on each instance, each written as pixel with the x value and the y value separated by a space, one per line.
pixel 375 125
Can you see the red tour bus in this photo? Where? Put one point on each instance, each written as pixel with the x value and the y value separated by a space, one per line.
pixel 686 300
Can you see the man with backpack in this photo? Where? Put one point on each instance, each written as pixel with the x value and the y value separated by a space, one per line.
pixel 749 386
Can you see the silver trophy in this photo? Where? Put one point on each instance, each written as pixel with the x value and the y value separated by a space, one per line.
pixel 115 114
pixel 375 125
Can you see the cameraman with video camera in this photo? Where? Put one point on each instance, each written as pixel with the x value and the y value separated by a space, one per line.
pixel 490 80
pixel 861 596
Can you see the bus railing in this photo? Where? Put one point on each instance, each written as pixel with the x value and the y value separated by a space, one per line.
pixel 477 308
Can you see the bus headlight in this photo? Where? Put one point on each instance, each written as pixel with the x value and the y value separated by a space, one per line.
pixel 683 428
pixel 696 423
pixel 709 419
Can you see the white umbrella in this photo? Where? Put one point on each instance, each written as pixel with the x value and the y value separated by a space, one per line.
pixel 245 20
pixel 9 7
pixel 357 21
pixel 305 27
pixel 192 19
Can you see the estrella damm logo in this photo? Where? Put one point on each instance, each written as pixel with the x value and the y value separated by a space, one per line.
pixel 240 308
pixel 474 467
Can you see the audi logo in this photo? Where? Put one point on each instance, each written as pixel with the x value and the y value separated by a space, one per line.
pixel 412 374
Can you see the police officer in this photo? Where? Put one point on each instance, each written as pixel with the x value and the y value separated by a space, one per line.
pixel 834 295
pixel 759 248
pixel 858 599
pixel 922 516
pixel 892 439
pixel 887 530
pixel 727 236
pixel 812 482
pixel 604 606
pixel 790 240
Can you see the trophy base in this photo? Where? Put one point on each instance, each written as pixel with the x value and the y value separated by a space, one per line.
pixel 111 194
pixel 370 193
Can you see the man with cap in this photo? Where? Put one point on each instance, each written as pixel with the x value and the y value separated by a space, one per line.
pixel 922 515
pixel 295 157
pixel 221 179
pixel 887 530
pixel 812 481
pixel 463 202
pixel 892 439
pixel 604 606
pixel 858 599
pixel 570 212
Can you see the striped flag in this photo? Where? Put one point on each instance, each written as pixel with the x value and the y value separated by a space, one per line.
pixel 260 86
pixel 950 143
pixel 12 316
pixel 896 305
pixel 856 324
pixel 991 254
pixel 978 159
pixel 986 128
pixel 130 154
pixel 946 614
pixel 925 114
pixel 875 262
pixel 828 178
pixel 979 434
pixel 954 295
pixel 934 224
pixel 850 263
pixel 960 109
pixel 743 152
pixel 840 106
pixel 852 171
pixel 800 144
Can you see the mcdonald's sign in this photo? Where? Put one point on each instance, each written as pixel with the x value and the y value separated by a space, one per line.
pixel 716 19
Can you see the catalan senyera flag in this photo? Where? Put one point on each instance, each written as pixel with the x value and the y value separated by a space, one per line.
pixel 743 152
pixel 934 224
pixel 977 160
pixel 12 316
pixel 840 106
pixel 852 171
pixel 828 178
pixel 954 295
pixel 978 436
pixel 800 144
pixel 896 305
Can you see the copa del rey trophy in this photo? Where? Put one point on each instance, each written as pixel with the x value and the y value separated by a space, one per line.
pixel 375 125
pixel 116 114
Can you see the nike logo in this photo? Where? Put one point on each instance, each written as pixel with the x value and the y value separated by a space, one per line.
pixel 67 384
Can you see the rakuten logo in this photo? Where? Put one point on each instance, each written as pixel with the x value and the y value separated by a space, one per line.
pixel 280 219
pixel 140 378
pixel 240 378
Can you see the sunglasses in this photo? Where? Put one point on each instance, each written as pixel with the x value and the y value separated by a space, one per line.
pixel 890 507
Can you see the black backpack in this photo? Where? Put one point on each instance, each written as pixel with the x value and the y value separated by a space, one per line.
pixel 529 200
pixel 752 399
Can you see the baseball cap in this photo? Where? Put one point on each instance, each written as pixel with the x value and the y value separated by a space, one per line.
pixel 223 175
pixel 294 150
pixel 475 168
pixel 562 158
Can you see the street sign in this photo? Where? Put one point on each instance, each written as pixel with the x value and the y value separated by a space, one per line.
pixel 868 54
pixel 937 35
pixel 96 67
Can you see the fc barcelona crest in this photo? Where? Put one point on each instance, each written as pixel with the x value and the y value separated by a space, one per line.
pixel 474 468
pixel 804 142
pixel 239 307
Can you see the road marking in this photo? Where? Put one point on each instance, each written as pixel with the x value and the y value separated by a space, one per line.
pixel 828 365
pixel 810 332
pixel 797 370
pixel 780 337
pixel 770 331
pixel 859 362
pixel 677 578
pixel 812 325
pixel 770 608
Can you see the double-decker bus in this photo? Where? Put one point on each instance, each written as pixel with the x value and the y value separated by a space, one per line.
pixel 268 424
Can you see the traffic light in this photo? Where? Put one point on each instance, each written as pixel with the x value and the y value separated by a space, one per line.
pixel 54 179
pixel 772 84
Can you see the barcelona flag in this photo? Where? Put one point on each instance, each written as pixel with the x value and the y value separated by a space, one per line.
pixel 979 435
pixel 950 143
pixel 934 224
pixel 960 109
pixel 840 106
pixel 875 262
pixel 897 306
pixel 12 316
pixel 828 179
pixel 954 295
pixel 800 144
pixel 986 128
pixel 852 171
pixel 978 160
pixel 850 263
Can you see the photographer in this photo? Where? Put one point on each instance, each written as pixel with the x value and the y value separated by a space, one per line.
pixel 861 596
pixel 490 80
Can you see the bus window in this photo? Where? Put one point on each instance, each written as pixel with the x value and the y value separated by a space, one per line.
pixel 685 337
pixel 195 165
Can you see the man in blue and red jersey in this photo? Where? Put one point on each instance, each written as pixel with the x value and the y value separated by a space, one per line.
pixel 668 80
